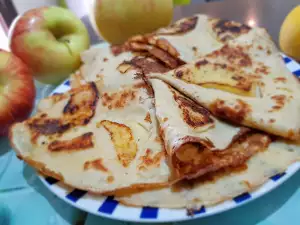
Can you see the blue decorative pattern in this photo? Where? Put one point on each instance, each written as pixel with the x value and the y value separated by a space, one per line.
pixel 149 213
pixel 297 73
pixel 67 83
pixel 200 211
pixel 75 195
pixel 108 206
pixel 277 176
pixel 286 59
pixel 242 197
pixel 51 180
pixel 56 93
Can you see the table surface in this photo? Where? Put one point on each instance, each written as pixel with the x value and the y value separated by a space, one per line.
pixel 24 200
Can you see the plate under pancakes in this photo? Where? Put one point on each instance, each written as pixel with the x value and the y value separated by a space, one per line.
pixel 143 212
pixel 110 208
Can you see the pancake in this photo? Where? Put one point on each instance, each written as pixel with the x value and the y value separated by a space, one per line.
pixel 196 142
pixel 166 49
pixel 223 185
pixel 95 140
pixel 115 71
pixel 187 39
pixel 245 82
pixel 98 63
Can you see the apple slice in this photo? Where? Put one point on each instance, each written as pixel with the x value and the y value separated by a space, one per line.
pixel 218 76
pixel 17 91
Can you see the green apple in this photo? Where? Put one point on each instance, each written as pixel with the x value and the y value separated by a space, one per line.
pixel 62 3
pixel 117 20
pixel 49 40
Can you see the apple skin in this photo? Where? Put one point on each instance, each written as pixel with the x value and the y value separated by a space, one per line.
pixel 49 40
pixel 117 20
pixel 17 91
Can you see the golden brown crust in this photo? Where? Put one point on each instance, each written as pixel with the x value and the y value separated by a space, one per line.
pixel 235 114
pixel 41 167
pixel 227 30
pixel 46 126
pixel 156 52
pixel 118 49
pixel 82 142
pixel 234 80
pixel 165 45
pixel 280 79
pixel 198 64
pixel 262 69
pixel 193 114
pixel 123 141
pixel 118 99
pixel 148 65
pixel 180 27
pixel 124 67
pixel 165 57
pixel 96 164
pixel 148 118
pixel 80 108
pixel 110 179
pixel 205 161
pixel 149 160
pixel 279 102
pixel 233 55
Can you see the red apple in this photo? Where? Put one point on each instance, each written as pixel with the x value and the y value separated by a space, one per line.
pixel 17 91
pixel 49 40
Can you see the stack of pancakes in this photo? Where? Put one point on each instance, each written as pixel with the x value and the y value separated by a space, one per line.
pixel 190 115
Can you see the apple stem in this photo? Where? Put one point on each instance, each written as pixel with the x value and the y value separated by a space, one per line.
pixel 65 42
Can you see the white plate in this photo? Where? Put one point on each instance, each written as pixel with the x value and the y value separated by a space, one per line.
pixel 110 208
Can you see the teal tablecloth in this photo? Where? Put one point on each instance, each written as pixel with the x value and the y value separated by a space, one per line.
pixel 25 201
pixel 23 198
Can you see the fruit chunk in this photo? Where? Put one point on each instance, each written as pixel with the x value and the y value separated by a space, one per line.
pixel 117 20
pixel 17 91
pixel 49 40
pixel 289 37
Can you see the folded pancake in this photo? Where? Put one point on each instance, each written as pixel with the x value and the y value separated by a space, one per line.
pixel 222 185
pixel 166 49
pixel 95 140
pixel 196 142
pixel 245 82
pixel 187 39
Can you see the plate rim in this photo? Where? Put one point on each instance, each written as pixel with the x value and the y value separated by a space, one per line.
pixel 276 184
